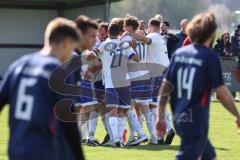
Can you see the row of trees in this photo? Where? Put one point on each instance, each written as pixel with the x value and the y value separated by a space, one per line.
pixel 175 10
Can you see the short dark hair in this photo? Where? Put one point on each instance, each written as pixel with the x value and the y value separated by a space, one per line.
pixel 114 29
pixel 166 23
pixel 84 22
pixel 201 27
pixel 103 25
pixel 132 22
pixel 154 22
pixel 119 21
pixel 59 29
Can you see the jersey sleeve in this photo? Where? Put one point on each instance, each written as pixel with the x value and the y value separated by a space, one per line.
pixel 153 38
pixel 215 70
pixel 129 53
pixel 98 52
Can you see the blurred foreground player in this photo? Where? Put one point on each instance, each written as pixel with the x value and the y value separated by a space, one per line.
pixel 194 71
pixel 25 88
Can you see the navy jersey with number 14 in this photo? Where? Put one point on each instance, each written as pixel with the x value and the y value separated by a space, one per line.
pixel 194 71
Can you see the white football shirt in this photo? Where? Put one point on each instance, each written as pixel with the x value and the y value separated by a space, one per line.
pixel 157 57
pixel 137 70
pixel 115 61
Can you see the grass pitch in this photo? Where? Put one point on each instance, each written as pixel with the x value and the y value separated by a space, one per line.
pixel 223 134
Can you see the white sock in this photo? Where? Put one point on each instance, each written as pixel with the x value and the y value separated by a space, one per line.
pixel 113 122
pixel 121 127
pixel 154 113
pixel 108 126
pixel 93 120
pixel 131 130
pixel 132 117
pixel 150 123
pixel 168 119
pixel 83 127
pixel 140 119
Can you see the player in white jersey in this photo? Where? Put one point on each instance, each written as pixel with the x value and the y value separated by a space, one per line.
pixel 140 80
pixel 99 81
pixel 87 101
pixel 157 61
pixel 117 85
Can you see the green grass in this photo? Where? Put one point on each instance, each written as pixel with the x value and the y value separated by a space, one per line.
pixel 223 135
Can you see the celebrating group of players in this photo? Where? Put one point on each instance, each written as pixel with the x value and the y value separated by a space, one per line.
pixel 124 69
pixel 125 74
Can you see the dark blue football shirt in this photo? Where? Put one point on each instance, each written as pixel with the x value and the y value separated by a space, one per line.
pixel 194 71
pixel 31 118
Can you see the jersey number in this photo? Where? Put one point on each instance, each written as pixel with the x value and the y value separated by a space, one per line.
pixel 141 50
pixel 185 81
pixel 117 58
pixel 24 103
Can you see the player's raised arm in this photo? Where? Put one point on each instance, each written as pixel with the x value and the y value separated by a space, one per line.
pixel 140 37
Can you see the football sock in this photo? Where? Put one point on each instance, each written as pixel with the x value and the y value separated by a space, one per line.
pixel 113 122
pixel 132 117
pixel 93 120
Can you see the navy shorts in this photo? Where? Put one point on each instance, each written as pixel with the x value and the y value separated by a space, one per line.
pixel 141 92
pixel 87 97
pixel 156 84
pixel 193 147
pixel 99 91
pixel 118 97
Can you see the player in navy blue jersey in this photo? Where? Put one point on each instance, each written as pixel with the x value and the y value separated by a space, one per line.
pixel 194 72
pixel 25 88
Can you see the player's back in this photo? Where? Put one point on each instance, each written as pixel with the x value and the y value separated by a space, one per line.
pixel 115 61
pixel 137 70
pixel 31 101
pixel 157 56
pixel 194 71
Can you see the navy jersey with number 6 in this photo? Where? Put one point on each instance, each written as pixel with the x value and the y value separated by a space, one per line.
pixel 31 119
pixel 194 71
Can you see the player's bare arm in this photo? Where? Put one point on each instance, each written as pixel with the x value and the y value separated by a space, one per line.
pixel 228 102
pixel 140 37
pixel 161 124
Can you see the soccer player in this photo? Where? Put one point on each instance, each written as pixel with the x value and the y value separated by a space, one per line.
pixel 194 71
pixel 117 85
pixel 140 79
pixel 25 88
pixel 99 81
pixel 157 62
pixel 88 111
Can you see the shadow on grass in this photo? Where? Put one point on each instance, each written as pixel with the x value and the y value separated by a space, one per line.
pixel 222 149
pixel 158 147
pixel 152 147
